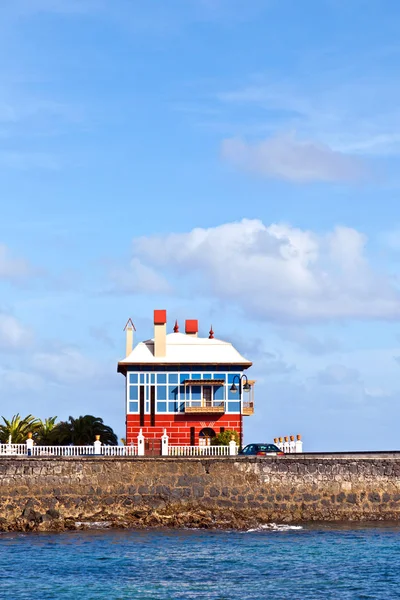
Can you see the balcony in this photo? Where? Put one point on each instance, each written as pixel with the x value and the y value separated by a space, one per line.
pixel 197 407
pixel 248 408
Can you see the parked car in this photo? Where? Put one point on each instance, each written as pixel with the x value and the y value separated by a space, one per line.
pixel 261 450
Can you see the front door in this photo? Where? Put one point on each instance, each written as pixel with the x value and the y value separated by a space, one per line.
pixel 207 395
pixel 152 447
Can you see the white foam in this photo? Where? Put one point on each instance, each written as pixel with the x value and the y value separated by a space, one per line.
pixel 275 527
pixel 93 524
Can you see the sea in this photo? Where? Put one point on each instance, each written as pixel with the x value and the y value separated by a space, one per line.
pixel 271 563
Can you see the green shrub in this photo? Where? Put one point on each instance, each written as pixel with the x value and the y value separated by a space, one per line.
pixel 223 439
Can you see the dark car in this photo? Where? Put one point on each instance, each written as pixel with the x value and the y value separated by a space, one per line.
pixel 261 450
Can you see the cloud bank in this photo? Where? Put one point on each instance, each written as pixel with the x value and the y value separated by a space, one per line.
pixel 285 157
pixel 275 272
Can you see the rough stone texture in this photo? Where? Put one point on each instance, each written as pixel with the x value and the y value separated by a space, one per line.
pixel 56 493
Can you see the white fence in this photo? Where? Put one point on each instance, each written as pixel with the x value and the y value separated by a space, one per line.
pixel 13 449
pixel 199 451
pixel 24 450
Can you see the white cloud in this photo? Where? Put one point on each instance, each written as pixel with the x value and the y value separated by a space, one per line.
pixel 275 272
pixel 338 375
pixel 305 340
pixel 64 365
pixel 13 335
pixel 13 269
pixel 139 278
pixel 285 157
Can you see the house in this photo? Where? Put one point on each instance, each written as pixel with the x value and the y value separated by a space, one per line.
pixel 193 387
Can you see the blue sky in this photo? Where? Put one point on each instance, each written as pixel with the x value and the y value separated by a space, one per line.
pixel 230 161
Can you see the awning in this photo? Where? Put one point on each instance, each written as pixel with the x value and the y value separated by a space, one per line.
pixel 204 382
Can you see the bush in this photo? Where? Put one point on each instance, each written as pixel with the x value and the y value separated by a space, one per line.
pixel 223 439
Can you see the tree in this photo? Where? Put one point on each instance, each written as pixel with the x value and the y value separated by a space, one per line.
pixel 44 434
pixel 18 428
pixel 223 438
pixel 82 431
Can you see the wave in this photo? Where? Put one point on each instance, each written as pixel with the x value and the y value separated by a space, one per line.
pixel 93 524
pixel 275 527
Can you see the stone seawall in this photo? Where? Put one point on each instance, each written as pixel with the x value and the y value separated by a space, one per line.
pixel 57 493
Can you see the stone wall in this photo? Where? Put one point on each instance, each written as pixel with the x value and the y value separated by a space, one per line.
pixel 57 493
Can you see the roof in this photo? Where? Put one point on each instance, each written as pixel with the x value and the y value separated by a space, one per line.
pixel 185 349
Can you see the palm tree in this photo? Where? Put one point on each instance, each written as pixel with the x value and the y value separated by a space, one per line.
pixel 18 428
pixel 44 433
pixel 83 431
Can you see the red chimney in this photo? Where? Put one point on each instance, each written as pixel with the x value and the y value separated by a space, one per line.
pixel 191 327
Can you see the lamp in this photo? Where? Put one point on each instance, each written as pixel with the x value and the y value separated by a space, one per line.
pixel 246 388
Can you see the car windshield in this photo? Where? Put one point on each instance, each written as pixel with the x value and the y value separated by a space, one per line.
pixel 267 448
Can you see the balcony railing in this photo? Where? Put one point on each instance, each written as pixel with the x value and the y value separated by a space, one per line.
pixel 248 408
pixel 198 406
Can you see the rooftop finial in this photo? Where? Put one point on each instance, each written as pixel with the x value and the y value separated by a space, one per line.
pixel 211 336
pixel 176 327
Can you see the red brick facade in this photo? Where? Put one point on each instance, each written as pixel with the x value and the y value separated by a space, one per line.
pixel 180 427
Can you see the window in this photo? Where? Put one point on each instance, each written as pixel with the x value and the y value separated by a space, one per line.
pixel 133 407
pixel 231 377
pixel 161 378
pixel 161 392
pixel 207 395
pixel 173 392
pixel 234 407
pixel 133 377
pixel 219 393
pixel 133 392
pixel 173 378
pixel 196 392
pixel 161 407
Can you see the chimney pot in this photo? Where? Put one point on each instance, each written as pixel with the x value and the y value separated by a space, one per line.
pixel 160 317
pixel 191 327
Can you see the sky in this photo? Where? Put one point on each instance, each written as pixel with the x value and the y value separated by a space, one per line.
pixel 231 161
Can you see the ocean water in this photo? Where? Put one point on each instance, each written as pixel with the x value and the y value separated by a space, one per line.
pixel 324 562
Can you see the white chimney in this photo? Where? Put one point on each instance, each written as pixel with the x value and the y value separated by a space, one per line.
pixel 129 328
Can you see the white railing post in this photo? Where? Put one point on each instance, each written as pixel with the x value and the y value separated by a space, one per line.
pixel 29 445
pixel 164 444
pixel 97 445
pixel 140 444
pixel 292 445
pixel 232 447
pixel 299 444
